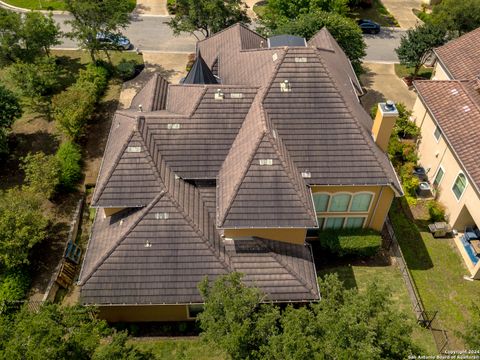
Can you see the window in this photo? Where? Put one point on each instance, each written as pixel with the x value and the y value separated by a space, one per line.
pixel 361 202
pixel 438 177
pixel 194 310
pixel 459 185
pixel 321 202
pixel 334 222
pixel 321 221
pixel 340 202
pixel 354 222
pixel 437 133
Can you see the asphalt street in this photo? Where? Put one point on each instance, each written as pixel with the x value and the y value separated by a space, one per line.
pixel 151 33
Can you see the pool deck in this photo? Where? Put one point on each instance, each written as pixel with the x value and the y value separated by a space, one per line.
pixel 466 259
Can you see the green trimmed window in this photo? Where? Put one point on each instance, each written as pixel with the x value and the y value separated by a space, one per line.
pixel 334 222
pixel 340 203
pixel 438 177
pixel 354 222
pixel 321 202
pixel 361 202
pixel 459 185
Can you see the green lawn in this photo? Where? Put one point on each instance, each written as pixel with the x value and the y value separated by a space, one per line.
pixel 47 4
pixel 185 349
pixel 438 271
pixel 403 71
pixel 377 13
pixel 390 276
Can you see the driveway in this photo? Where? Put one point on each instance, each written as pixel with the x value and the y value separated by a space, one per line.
pixel 402 11
pixel 382 84
pixel 151 7
pixel 381 47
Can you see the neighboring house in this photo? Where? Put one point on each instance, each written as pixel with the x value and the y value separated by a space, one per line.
pixel 264 140
pixel 448 112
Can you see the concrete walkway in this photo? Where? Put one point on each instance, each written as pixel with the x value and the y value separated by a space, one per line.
pixel 151 7
pixel 382 84
pixel 402 11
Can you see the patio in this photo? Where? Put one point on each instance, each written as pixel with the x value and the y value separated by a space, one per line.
pixel 468 244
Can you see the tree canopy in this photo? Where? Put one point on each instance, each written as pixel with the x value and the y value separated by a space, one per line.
pixel 417 44
pixel 26 38
pixel 207 16
pixel 344 30
pixel 460 16
pixel 22 225
pixel 91 17
pixel 345 324
pixel 10 110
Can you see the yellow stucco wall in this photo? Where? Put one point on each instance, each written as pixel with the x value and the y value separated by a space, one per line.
pixel 382 128
pixel 296 236
pixel 439 72
pixel 112 211
pixel 381 202
pixel 144 313
pixel 432 155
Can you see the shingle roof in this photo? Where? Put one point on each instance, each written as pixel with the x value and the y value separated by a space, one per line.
pixel 457 113
pixel 461 56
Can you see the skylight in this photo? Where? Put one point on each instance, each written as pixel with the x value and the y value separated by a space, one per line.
pixel 134 149
pixel 161 216
pixel 174 126
pixel 267 162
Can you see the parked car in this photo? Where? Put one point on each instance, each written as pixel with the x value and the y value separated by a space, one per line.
pixel 368 26
pixel 114 40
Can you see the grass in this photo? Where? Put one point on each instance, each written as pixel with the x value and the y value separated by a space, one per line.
pixel 438 271
pixel 377 12
pixel 422 15
pixel 389 276
pixel 403 71
pixel 185 349
pixel 259 8
pixel 48 4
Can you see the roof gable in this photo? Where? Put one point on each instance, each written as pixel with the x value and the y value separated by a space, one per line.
pixel 200 73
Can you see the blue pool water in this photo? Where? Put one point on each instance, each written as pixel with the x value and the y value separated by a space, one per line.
pixel 469 250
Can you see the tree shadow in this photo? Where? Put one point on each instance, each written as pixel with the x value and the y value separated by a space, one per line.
pixel 70 68
pixel 371 99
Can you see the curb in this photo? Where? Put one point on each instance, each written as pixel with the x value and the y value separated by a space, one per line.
pixel 22 10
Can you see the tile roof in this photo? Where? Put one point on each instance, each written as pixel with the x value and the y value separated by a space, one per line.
pixel 455 106
pixel 461 56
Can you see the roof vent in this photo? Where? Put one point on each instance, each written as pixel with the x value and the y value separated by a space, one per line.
pixel 285 86
pixel 140 108
pixel 466 108
pixel 306 174
pixel 267 162
pixel 454 91
pixel 236 95
pixel 134 149
pixel 148 244
pixel 161 216
pixel 174 126
pixel 274 133
pixel 300 59
pixel 219 94
pixel 274 57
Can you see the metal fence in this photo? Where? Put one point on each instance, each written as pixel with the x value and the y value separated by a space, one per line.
pixel 426 318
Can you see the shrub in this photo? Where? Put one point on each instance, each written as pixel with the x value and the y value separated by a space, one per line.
pixel 409 181
pixel 69 157
pixel 14 285
pixel 126 69
pixel 171 6
pixel 355 242
pixel 97 75
pixel 42 173
pixel 436 211
pixel 73 107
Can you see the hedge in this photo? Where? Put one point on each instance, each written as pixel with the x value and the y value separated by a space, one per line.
pixel 96 75
pixel 354 242
pixel 69 157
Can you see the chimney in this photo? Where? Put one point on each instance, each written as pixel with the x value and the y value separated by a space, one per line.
pixel 383 124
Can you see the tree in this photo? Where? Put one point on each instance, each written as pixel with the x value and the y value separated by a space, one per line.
pixel 344 30
pixel 460 16
pixel 91 17
pixel 42 173
pixel 118 349
pixel 417 45
pixel 37 82
pixel 345 324
pixel 39 33
pixel 207 16
pixel 69 157
pixel 22 225
pixel 233 317
pixel 53 332
pixel 10 110
pixel 10 26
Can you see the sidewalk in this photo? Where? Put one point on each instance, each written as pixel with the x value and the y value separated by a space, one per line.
pixel 151 7
pixel 402 11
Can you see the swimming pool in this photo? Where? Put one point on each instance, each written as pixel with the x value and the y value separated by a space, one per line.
pixel 469 249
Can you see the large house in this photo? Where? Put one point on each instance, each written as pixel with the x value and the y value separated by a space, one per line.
pixel 448 112
pixel 262 141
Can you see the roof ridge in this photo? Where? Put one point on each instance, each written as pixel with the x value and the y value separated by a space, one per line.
pixel 198 102
pixel 469 95
pixel 96 196
pixel 287 266
pixel 120 240
pixel 219 32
